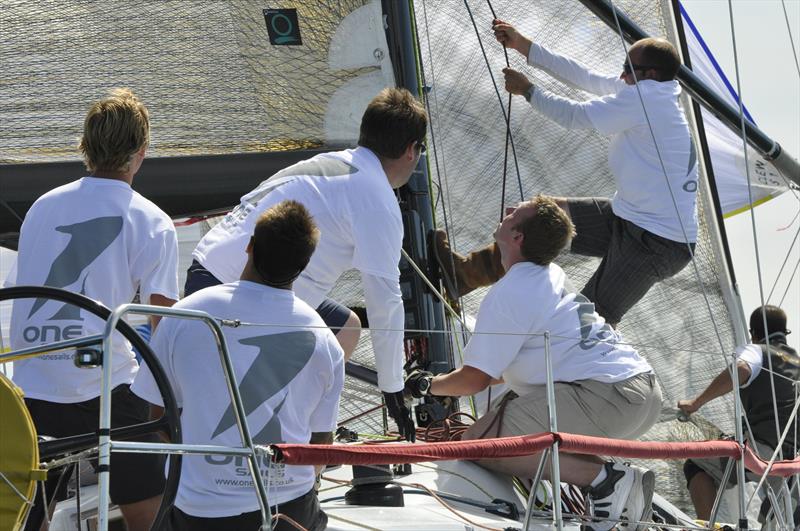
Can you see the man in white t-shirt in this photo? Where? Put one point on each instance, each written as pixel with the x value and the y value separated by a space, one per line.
pixel 290 375
pixel 646 232
pixel 602 386
pixel 97 237
pixel 351 196
pixel 768 373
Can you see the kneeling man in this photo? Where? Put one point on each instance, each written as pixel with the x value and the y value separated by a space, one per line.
pixel 290 374
pixel 602 386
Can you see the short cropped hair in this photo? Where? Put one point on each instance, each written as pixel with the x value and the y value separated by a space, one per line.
pixel 546 233
pixel 776 321
pixel 393 120
pixel 115 128
pixel 661 55
pixel 283 241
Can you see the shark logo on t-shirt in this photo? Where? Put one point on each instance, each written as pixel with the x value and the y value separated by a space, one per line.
pixel 87 240
pixel 280 358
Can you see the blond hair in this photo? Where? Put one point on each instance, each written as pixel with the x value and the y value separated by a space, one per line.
pixel 115 128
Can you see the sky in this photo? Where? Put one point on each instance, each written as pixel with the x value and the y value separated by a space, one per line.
pixel 770 89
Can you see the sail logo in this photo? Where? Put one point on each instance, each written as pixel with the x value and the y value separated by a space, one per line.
pixel 280 359
pixel 87 240
pixel 283 27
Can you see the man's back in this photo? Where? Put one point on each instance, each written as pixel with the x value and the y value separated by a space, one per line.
pixel 290 374
pixel 99 238
pixel 352 203
pixel 757 397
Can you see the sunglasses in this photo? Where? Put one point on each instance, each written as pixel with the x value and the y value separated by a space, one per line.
pixel 627 68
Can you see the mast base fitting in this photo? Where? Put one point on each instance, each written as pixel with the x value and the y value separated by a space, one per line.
pixel 372 486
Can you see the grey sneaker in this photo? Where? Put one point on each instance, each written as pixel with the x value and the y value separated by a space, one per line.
pixel 626 495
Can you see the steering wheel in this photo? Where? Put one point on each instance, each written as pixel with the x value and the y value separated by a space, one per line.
pixel 169 422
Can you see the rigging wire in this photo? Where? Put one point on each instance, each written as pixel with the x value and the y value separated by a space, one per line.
pixel 499 99
pixel 753 220
pixel 783 265
pixel 789 284
pixel 791 39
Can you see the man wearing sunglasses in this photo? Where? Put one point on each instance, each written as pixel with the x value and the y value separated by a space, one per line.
pixel 350 195
pixel 646 231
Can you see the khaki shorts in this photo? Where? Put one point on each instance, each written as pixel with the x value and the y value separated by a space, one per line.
pixel 621 410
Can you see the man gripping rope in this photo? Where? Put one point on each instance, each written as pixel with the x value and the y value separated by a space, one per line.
pixel 97 237
pixel 350 196
pixel 703 476
pixel 290 375
pixel 602 386
pixel 641 235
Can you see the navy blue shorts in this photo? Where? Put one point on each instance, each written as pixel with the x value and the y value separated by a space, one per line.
pixel 198 277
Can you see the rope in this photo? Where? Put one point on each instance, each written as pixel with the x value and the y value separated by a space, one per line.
pixel 508 132
pixel 789 284
pixel 499 99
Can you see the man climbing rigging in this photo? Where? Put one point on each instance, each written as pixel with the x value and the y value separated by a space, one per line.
pixel 644 233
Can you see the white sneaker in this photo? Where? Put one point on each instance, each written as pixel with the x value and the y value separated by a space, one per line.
pixel 625 495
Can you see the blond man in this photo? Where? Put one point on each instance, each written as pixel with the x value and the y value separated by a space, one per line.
pixel 97 237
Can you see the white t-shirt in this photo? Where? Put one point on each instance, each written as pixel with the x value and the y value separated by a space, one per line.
pixel 99 238
pixel 529 300
pixel 354 207
pixel 753 356
pixel 290 376
pixel 643 194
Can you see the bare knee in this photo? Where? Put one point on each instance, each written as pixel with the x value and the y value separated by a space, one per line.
pixel 349 334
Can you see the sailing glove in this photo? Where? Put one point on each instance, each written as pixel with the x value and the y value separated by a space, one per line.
pixel 397 409
pixel 418 384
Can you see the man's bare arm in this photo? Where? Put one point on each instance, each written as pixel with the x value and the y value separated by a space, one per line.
pixel 719 386
pixel 159 300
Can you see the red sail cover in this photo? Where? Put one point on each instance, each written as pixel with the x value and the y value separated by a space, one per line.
pixel 375 454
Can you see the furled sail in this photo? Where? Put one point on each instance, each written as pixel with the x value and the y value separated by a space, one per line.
pixel 726 148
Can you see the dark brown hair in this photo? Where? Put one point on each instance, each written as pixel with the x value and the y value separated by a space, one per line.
pixel 546 232
pixel 393 120
pixel 661 55
pixel 283 241
pixel 776 321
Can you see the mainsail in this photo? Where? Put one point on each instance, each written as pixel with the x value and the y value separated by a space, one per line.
pixel 216 87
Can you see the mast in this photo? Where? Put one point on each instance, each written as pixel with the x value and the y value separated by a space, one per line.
pixel 423 310
pixel 705 95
